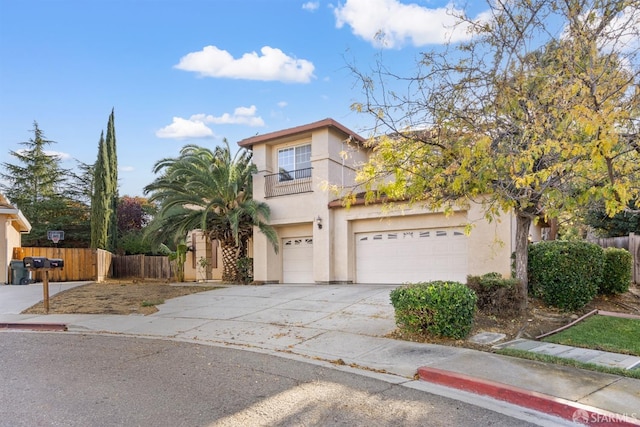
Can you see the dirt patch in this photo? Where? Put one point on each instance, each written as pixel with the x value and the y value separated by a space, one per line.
pixel 539 320
pixel 116 297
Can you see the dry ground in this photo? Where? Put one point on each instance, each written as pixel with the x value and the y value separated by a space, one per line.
pixel 129 297
pixel 116 297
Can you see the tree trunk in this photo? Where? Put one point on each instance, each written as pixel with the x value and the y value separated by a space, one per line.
pixel 230 256
pixel 523 223
pixel 553 229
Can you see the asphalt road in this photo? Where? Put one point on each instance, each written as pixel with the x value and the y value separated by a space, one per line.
pixel 60 379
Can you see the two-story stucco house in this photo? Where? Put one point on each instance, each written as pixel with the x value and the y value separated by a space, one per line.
pixel 321 241
pixel 12 225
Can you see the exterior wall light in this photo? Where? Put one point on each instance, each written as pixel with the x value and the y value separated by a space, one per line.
pixel 319 222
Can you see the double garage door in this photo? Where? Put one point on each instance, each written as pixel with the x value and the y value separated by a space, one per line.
pixel 415 255
pixel 411 256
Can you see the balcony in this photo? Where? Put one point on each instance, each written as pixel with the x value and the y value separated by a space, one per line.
pixel 285 183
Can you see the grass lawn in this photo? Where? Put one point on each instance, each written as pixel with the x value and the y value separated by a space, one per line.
pixel 607 333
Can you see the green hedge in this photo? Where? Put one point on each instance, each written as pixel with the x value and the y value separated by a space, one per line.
pixel 565 274
pixel 616 276
pixel 245 270
pixel 496 295
pixel 443 309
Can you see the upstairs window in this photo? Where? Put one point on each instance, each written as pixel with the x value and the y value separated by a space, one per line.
pixel 294 162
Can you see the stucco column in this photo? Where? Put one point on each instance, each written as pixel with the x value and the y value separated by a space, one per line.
pixel 490 243
pixel 322 248
pixel 266 263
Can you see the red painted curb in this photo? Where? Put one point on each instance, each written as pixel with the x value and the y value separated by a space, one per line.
pixel 563 408
pixel 35 326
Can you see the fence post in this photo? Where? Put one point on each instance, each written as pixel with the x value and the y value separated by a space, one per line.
pixel 634 248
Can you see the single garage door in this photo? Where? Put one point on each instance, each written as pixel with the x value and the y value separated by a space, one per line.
pixel 411 256
pixel 297 260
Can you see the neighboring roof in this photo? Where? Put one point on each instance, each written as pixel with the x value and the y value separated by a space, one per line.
pixel 21 223
pixel 330 123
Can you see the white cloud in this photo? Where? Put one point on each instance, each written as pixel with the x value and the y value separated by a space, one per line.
pixel 240 116
pixel 621 35
pixel 624 31
pixel 272 65
pixel 196 126
pixel 126 168
pixel 389 23
pixel 58 154
pixel 185 129
pixel 282 104
pixel 311 6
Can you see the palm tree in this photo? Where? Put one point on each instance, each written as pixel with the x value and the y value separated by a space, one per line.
pixel 212 191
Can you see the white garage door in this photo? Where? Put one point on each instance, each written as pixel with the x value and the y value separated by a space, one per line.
pixel 411 256
pixel 297 260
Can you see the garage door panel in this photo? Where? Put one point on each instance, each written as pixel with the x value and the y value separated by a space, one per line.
pixel 297 260
pixel 411 256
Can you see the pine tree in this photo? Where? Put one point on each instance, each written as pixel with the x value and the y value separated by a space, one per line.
pixel 40 175
pixel 36 186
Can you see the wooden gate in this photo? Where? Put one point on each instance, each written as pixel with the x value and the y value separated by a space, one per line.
pixel 634 248
pixel 630 243
pixel 142 266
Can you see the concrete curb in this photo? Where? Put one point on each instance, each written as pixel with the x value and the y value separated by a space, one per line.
pixel 563 408
pixel 35 326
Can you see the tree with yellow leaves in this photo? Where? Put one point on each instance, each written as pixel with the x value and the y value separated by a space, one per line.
pixel 537 114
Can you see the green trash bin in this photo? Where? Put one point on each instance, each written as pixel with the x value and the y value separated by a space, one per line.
pixel 21 275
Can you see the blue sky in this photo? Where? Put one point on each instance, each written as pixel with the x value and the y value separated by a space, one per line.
pixel 193 71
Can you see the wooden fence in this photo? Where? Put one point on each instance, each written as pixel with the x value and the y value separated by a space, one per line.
pixel 630 243
pixel 142 266
pixel 98 265
pixel 79 264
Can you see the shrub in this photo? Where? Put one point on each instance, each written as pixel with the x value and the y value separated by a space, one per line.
pixel 616 275
pixel 443 309
pixel 245 270
pixel 565 274
pixel 496 295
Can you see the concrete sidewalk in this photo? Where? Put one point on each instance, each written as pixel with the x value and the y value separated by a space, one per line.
pixel 16 298
pixel 346 325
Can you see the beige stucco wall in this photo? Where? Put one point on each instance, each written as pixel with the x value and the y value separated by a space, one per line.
pixel 334 161
pixel 193 271
pixel 333 158
pixel 490 243
pixel 10 238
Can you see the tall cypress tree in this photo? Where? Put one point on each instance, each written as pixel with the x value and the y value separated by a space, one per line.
pixel 112 232
pixel 100 203
pixel 104 201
